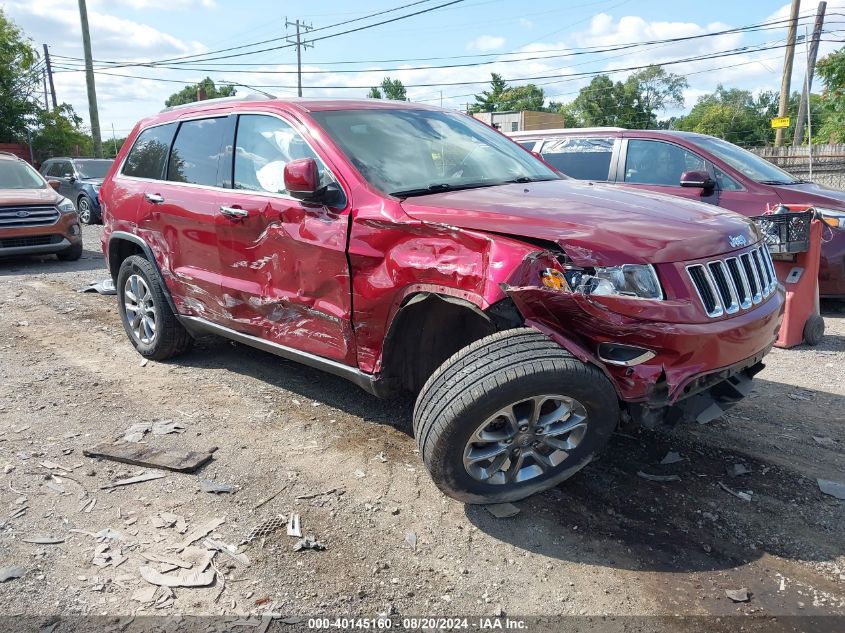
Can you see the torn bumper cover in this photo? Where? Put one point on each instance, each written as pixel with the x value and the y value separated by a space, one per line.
pixel 693 371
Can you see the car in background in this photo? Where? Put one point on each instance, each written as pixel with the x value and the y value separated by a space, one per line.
pixel 34 218
pixel 697 167
pixel 79 181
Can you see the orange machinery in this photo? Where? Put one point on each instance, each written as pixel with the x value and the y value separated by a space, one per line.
pixel 793 234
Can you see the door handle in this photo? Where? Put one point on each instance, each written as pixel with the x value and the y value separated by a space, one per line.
pixel 234 212
pixel 154 198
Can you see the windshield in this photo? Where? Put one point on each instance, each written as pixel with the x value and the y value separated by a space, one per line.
pixel 93 168
pixel 15 174
pixel 414 152
pixel 748 164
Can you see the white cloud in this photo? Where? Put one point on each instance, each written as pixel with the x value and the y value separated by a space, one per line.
pixel 168 4
pixel 486 43
pixel 528 24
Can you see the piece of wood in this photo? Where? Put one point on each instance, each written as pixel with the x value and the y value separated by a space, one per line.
pixel 143 455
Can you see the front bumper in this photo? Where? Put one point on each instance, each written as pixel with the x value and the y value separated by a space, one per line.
pixel 41 240
pixel 688 357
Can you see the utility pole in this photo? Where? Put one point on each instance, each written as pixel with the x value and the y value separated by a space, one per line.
pixel 44 79
pixel 50 76
pixel 798 138
pixel 299 46
pixel 113 140
pixel 787 67
pixel 93 114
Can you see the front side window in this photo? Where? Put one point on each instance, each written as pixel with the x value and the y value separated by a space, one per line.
pixel 196 152
pixel 64 169
pixel 148 155
pixel 407 152
pixel 93 168
pixel 15 174
pixel 263 146
pixel 659 163
pixel 725 182
pixel 581 158
pixel 746 163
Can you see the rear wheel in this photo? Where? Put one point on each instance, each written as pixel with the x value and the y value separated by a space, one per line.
pixel 147 318
pixel 814 330
pixel 511 415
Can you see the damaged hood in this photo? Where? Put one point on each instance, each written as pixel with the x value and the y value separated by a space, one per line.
pixel 595 224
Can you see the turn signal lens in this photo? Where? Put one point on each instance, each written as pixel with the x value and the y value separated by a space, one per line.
pixel 554 279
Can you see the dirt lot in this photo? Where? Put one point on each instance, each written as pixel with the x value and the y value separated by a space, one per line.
pixel 605 543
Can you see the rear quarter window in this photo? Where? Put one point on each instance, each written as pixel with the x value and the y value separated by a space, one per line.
pixel 196 152
pixel 148 155
pixel 581 158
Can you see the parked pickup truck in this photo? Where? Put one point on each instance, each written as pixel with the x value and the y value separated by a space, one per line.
pixel 413 249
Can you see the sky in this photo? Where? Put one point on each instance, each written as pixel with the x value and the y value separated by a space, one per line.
pixel 552 41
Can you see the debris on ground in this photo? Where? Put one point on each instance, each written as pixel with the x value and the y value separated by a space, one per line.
pixel 735 470
pixel 660 478
pixel 798 396
pixel 109 534
pixel 320 494
pixel 104 287
pixel 229 550
pixel 108 554
pixel 738 595
pixel 163 559
pixel 146 594
pixel 745 496
pixel 309 542
pixel 672 457
pixel 198 576
pixel 832 488
pixel 133 480
pixel 266 528
pixel 206 485
pixel 411 539
pixel 136 432
pixel 200 532
pixel 165 427
pixel 360 474
pixel 10 573
pixel 380 457
pixel 829 442
pixel 169 520
pixel 43 540
pixel 294 527
pixel 502 510
pixel 183 462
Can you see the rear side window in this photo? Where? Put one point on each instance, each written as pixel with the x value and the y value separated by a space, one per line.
pixel 581 158
pixel 196 152
pixel 147 157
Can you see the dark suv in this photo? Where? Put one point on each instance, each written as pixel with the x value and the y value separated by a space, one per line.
pixel 697 167
pixel 79 180
pixel 410 248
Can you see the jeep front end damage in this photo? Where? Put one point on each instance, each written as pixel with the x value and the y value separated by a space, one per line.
pixel 667 360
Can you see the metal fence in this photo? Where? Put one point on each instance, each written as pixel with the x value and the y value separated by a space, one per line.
pixel 828 162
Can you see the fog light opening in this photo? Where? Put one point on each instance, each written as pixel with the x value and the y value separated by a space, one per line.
pixel 624 355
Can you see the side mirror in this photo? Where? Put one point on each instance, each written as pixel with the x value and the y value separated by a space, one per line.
pixel 697 180
pixel 55 184
pixel 302 179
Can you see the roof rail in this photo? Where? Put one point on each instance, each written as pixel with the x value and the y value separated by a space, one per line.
pixel 249 97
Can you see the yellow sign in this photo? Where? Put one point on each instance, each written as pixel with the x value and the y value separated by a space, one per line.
pixel 780 121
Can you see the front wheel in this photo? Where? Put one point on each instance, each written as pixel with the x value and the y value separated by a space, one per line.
pixel 511 415
pixel 85 209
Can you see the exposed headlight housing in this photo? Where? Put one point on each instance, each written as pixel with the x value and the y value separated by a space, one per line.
pixel 66 206
pixel 831 217
pixel 637 281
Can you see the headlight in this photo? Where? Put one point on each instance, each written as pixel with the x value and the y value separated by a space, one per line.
pixel 628 280
pixel 66 206
pixel 836 219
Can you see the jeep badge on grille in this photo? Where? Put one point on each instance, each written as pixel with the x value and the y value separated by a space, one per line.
pixel 737 240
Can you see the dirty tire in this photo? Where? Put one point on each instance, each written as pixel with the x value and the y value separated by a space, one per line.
pixel 71 253
pixel 171 338
pixel 814 330
pixel 488 375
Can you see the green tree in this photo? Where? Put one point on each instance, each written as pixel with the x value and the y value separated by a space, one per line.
pixel 389 89
pixel 59 133
pixel 653 89
pixel 19 81
pixel 490 100
pixel 831 69
pixel 188 94
pixel 527 97
pixel 734 115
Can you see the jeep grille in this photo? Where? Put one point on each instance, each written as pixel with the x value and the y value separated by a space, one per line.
pixel 728 285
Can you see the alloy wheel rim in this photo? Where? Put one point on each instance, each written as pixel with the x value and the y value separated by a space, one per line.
pixel 525 439
pixel 141 315
pixel 84 211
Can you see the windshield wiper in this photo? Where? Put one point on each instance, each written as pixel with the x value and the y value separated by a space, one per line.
pixel 524 179
pixel 440 187
pixel 781 182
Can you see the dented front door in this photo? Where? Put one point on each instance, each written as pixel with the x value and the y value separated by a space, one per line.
pixel 285 274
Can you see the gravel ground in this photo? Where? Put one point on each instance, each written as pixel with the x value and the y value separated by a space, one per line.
pixel 605 543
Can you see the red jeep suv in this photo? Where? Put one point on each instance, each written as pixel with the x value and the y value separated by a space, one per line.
pixel 410 248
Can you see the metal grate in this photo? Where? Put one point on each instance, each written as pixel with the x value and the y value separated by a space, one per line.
pixel 22 217
pixel 33 240
pixel 726 286
pixel 785 232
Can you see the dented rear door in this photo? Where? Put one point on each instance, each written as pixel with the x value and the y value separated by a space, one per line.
pixel 285 273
